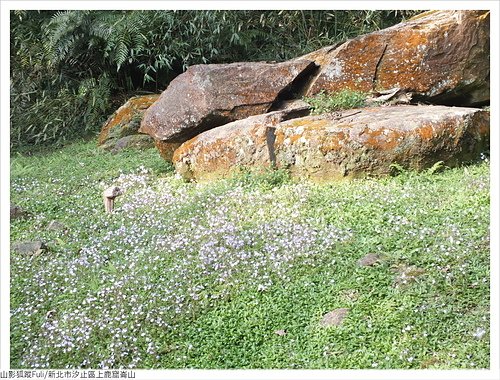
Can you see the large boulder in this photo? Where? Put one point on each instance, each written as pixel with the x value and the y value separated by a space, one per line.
pixel 207 96
pixel 221 151
pixel 124 122
pixel 291 109
pixel 357 143
pixel 352 143
pixel 439 56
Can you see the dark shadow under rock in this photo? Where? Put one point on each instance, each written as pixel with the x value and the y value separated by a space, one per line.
pixel 137 141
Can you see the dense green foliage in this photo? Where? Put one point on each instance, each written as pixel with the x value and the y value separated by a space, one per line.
pixel 186 275
pixel 70 68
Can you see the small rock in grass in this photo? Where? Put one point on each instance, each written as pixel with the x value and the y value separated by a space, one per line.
pixel 369 260
pixel 280 332
pixel 16 212
pixel 54 225
pixel 334 317
pixel 29 247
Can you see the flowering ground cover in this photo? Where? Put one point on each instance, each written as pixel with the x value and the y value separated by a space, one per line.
pixel 239 273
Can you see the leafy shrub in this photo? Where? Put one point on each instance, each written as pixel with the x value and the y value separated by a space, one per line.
pixel 325 102
pixel 56 116
pixel 50 104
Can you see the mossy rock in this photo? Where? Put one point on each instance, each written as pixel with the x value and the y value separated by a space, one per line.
pixel 126 120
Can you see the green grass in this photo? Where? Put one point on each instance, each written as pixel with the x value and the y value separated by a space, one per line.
pixel 325 102
pixel 187 275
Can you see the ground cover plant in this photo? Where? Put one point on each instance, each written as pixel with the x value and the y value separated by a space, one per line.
pixel 239 273
pixel 324 102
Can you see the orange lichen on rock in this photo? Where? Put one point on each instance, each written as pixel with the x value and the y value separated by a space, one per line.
pixel 124 115
pixel 373 139
pixel 410 71
pixel 332 142
pixel 426 132
pixel 325 148
pixel 382 139
pixel 443 55
pixel 166 149
pixel 222 151
pixel 309 122
pixel 299 129
pixel 331 147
